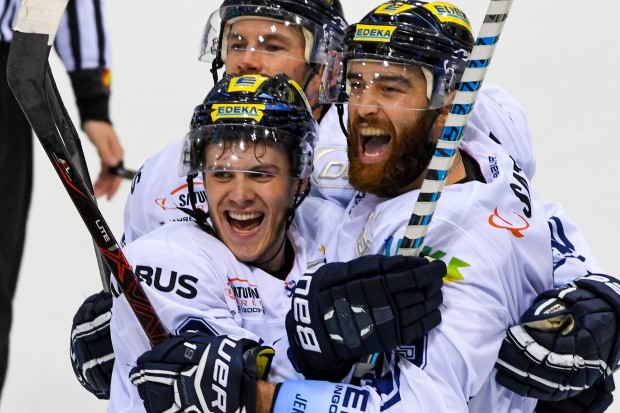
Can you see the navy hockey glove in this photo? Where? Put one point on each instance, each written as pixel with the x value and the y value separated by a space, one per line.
pixel 595 399
pixel 92 355
pixel 372 304
pixel 568 340
pixel 201 373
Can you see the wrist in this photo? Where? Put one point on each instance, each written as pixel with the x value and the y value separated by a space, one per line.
pixel 265 396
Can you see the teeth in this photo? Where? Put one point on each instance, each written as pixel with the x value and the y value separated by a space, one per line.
pixel 372 131
pixel 372 155
pixel 244 217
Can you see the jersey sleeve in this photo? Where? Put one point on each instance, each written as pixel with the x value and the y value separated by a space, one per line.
pixel 186 284
pixel 83 44
pixel 572 256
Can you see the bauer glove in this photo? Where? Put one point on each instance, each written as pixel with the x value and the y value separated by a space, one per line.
pixel 566 342
pixel 595 399
pixel 92 355
pixel 201 373
pixel 372 304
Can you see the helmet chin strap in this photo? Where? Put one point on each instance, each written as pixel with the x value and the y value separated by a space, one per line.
pixel 200 216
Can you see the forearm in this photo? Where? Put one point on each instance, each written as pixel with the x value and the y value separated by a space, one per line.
pixel 266 392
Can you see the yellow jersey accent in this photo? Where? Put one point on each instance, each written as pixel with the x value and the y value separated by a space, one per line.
pixel 247 83
pixel 374 33
pixel 393 8
pixel 448 13
pixel 237 111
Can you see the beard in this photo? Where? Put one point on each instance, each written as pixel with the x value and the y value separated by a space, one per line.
pixel 408 155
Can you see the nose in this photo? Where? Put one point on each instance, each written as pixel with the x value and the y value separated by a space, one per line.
pixel 241 192
pixel 366 104
pixel 250 62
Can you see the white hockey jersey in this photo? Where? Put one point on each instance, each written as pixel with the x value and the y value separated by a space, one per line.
pixel 495 241
pixel 195 283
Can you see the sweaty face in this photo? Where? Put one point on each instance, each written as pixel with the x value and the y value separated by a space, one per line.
pixel 249 194
pixel 388 126
pixel 268 47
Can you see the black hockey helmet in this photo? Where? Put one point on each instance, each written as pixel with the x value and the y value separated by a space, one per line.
pixel 250 109
pixel 322 23
pixel 436 36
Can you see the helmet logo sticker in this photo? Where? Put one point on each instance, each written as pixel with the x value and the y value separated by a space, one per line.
pixel 393 8
pixel 448 13
pixel 373 33
pixel 237 111
pixel 247 83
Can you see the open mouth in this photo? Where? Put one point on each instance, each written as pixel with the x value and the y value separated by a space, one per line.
pixel 374 143
pixel 244 223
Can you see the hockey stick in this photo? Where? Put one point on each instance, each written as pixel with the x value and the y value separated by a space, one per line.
pixel 32 83
pixel 74 147
pixel 447 146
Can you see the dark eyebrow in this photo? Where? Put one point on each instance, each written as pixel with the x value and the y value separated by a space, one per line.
pixel 384 78
pixel 267 37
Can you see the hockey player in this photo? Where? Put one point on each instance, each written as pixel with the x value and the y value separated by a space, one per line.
pixel 245 36
pixel 232 272
pixel 157 194
pixel 398 96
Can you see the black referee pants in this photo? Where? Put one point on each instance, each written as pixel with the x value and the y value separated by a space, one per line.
pixel 15 192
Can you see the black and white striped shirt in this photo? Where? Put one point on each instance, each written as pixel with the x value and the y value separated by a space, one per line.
pixel 83 45
pixel 81 41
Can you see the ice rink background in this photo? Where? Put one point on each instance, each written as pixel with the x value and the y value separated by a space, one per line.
pixel 559 59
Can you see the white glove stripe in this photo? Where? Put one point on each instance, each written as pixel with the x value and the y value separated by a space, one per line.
pixel 538 379
pixel 97 361
pixel 99 323
pixel 157 376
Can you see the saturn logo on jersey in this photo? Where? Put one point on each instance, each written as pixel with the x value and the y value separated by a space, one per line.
pixel 179 197
pixel 246 295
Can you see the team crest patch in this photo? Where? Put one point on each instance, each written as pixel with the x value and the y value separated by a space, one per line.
pixel 374 33
pixel 237 111
pixel 247 83
pixel 448 13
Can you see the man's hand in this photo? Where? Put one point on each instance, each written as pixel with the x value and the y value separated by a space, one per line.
pixel 92 355
pixel 103 136
pixel 372 304
pixel 567 342
pixel 595 399
pixel 201 373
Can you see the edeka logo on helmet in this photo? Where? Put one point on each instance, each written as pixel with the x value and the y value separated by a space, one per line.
pixel 397 71
pixel 252 139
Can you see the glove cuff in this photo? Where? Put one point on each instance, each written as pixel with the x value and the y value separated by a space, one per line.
pixel 607 288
